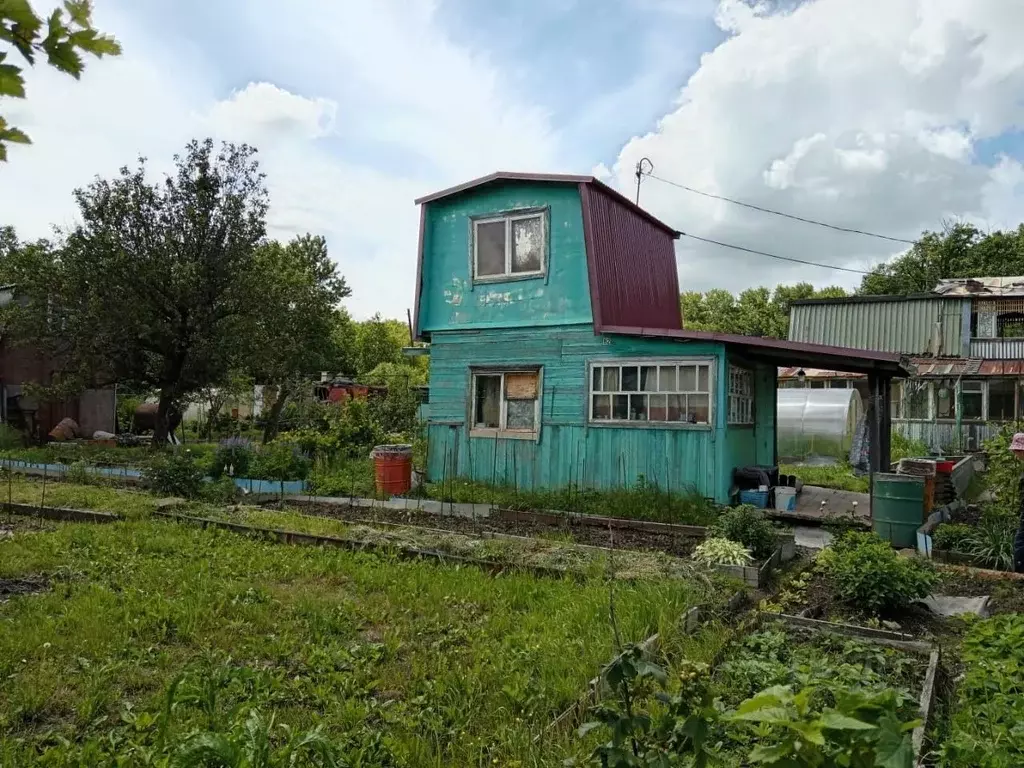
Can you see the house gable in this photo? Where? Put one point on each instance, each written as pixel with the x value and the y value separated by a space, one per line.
pixel 603 261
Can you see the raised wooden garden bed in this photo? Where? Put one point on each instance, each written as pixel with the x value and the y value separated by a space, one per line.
pixel 59 513
pixel 756 575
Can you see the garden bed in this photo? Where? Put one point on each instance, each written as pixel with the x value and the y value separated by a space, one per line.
pixel 493 552
pixel 675 540
pixel 743 693
pixel 402 663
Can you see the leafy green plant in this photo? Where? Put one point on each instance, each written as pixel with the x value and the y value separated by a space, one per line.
pixel 862 729
pixel 1004 470
pixel 952 536
pixel 869 575
pixel 902 447
pixel 282 461
pixel 720 551
pixel 10 438
pixel 220 491
pixel 985 728
pixel 233 456
pixel 748 526
pixel 174 474
pixel 991 541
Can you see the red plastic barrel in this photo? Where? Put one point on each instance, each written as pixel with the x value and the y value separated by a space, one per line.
pixel 392 466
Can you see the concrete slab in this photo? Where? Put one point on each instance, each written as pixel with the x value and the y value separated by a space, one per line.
pixel 815 504
pixel 811 537
pixel 947 605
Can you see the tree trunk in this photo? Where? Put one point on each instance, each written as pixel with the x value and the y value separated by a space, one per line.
pixel 162 426
pixel 212 414
pixel 274 415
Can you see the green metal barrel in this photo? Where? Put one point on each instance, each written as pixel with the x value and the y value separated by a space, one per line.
pixel 897 507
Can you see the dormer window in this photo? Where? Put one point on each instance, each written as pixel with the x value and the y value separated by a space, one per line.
pixel 510 246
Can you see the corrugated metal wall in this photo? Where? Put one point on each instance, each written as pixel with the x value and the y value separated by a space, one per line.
pixel 632 265
pixel 906 327
pixel 998 349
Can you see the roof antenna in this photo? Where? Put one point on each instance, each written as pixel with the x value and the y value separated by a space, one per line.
pixel 640 172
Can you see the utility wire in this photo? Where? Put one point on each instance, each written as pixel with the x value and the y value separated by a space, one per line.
pixel 773 256
pixel 775 213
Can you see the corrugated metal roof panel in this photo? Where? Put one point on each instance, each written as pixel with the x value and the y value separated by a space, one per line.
pixel 631 263
pixel 906 327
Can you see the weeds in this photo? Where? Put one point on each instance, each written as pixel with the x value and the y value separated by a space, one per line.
pixel 397 663
pixel 642 501
pixel 838 476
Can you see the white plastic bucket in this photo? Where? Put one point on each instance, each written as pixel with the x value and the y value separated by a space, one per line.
pixel 785 498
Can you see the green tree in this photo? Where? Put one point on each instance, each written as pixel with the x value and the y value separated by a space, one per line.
pixel 344 344
pixel 380 341
pixel 960 250
pixel 157 283
pixel 755 312
pixel 22 30
pixel 292 335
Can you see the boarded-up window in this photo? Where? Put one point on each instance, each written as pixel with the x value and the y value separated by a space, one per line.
pixel 507 401
pixel 521 386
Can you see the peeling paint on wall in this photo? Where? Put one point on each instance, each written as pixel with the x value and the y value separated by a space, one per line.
pixel 454 290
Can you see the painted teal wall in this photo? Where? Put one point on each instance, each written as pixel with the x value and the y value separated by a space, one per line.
pixel 569 450
pixel 750 445
pixel 450 300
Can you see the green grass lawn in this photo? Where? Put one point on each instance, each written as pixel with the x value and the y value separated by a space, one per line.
pixel 156 638
pixel 838 476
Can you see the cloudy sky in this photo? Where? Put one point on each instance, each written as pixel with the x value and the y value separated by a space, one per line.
pixel 886 115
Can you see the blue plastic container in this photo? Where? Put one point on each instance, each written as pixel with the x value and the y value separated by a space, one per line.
pixel 757 499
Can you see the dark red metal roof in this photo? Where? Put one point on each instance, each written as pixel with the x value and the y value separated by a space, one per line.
pixel 631 264
pixel 785 352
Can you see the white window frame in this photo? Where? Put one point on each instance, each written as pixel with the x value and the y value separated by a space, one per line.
pixel 503 431
pixel 508 274
pixel 741 396
pixel 621 363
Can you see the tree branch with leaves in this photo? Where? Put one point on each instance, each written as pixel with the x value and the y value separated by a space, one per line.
pixel 65 33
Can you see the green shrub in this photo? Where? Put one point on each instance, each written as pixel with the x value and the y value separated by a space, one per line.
pixel 233 456
pixel 952 536
pixel 355 431
pixel 991 540
pixel 748 526
pixel 870 576
pixel 175 474
pixel 221 491
pixel 281 461
pixel 1004 469
pixel 10 438
pixel 901 447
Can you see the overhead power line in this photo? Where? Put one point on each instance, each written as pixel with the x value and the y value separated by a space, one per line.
pixel 774 256
pixel 775 213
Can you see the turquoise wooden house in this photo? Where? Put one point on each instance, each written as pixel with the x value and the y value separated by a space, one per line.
pixel 558 354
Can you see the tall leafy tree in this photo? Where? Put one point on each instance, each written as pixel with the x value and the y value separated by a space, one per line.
pixel 380 341
pixel 158 281
pixel 960 250
pixel 66 32
pixel 293 333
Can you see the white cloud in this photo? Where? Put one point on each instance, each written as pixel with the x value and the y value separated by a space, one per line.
pixel 862 113
pixel 381 107
pixel 263 111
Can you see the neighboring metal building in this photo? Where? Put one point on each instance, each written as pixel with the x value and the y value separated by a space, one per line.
pixel 966 340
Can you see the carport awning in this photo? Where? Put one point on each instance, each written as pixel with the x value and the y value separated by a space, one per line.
pixel 786 353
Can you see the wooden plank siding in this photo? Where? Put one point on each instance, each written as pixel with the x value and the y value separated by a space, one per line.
pixel 568 449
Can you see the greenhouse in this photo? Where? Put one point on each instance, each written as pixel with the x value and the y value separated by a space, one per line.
pixel 817 425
